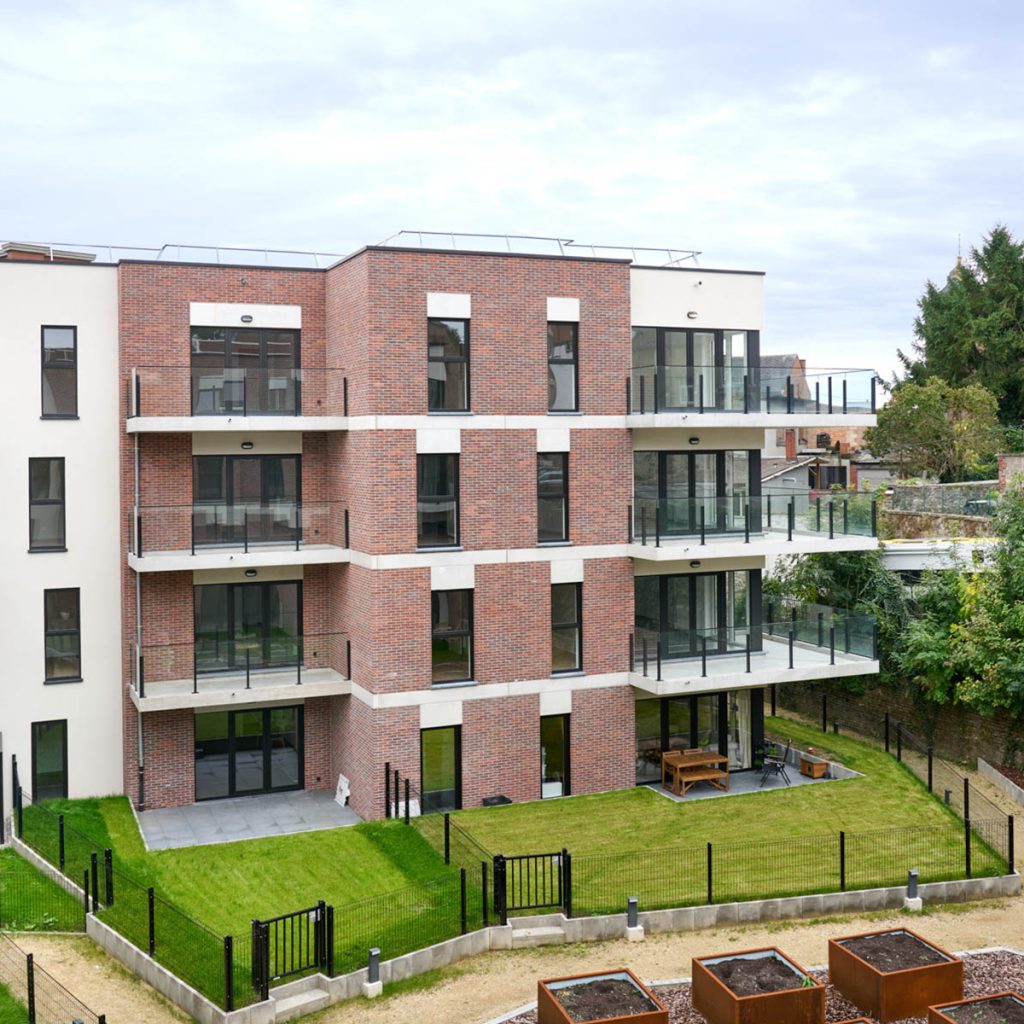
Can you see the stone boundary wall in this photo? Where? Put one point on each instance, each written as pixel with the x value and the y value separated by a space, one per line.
pixel 899 525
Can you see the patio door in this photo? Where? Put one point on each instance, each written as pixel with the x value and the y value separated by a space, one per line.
pixel 245 371
pixel 252 750
pixel 248 625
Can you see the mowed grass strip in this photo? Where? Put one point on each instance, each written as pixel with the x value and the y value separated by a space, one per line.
pixel 11 1011
pixel 29 901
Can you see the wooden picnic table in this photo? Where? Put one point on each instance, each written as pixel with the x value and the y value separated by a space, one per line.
pixel 688 767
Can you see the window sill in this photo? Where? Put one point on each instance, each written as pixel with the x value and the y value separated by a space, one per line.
pixel 457 684
pixel 449 412
pixel 554 543
pixel 45 551
pixel 568 674
pixel 564 412
pixel 70 416
pixel 61 682
pixel 441 547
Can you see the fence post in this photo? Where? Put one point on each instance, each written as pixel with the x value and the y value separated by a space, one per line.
pixel 711 889
pixel 887 732
pixel 397 798
pixel 21 812
pixel 30 981
pixel 447 839
pixel 108 877
pixel 462 897
pixel 320 934
pixel 483 889
pixel 330 940
pixel 387 789
pixel 930 759
pixel 567 882
pixel 967 847
pixel 407 800
pixel 899 741
pixel 60 840
pixel 152 921
pixel 842 861
pixel 229 973
pixel 500 894
pixel 967 799
pixel 85 899
pixel 94 866
pixel 1010 858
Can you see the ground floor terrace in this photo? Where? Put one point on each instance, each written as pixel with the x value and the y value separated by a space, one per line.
pixel 457 754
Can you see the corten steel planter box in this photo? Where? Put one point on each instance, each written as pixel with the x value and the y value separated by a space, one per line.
pixel 551 1011
pixel 941 1014
pixel 893 995
pixel 720 1005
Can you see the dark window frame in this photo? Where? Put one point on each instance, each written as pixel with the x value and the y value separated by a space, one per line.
pixel 446 634
pixel 35 787
pixel 567 627
pixel 574 362
pixel 456 493
pixel 48 632
pixel 463 359
pixel 564 539
pixel 458 761
pixel 43 414
pixel 62 502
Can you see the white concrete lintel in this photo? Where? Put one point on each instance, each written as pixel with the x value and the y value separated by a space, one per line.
pixel 176 561
pixel 760 546
pixel 740 679
pixel 232 424
pixel 177 694
pixel 693 418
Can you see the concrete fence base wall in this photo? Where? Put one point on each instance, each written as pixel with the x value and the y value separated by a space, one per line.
pixel 1000 781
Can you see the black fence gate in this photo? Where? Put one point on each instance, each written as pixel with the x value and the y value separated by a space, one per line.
pixel 532 881
pixel 292 944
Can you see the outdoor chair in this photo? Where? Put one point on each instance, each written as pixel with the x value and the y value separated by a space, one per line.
pixel 776 765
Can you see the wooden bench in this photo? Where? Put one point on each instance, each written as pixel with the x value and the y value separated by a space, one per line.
pixel 687 778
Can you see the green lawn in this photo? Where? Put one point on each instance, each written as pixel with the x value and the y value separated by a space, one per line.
pixel 29 901
pixel 11 1011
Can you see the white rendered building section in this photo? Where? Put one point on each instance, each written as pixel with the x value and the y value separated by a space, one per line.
pixel 33 295
pixel 672 297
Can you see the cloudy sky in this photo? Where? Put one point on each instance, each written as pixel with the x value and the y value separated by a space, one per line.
pixel 841 147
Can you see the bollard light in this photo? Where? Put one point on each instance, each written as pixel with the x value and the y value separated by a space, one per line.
pixel 373 966
pixel 911 885
pixel 632 916
pixel 949 796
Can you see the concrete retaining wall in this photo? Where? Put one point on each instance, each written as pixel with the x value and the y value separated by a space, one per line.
pixel 998 779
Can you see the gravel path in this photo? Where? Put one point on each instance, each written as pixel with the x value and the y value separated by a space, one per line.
pixel 98 981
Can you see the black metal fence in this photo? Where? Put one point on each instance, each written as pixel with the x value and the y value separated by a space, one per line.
pixel 292 944
pixel 29 901
pixel 45 999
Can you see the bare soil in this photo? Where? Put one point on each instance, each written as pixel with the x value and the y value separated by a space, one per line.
pixel 993 1011
pixel 601 999
pixel 894 951
pixel 755 977
pixel 1013 774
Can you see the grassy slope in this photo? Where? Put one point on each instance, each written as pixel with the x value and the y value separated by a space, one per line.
pixel 29 901
pixel 887 797
pixel 11 1011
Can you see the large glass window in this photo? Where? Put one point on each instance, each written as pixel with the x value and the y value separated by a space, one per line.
pixel 566 632
pixel 60 372
pixel 740 730
pixel 563 367
pixel 448 365
pixel 552 497
pixel 441 768
pixel 49 760
pixel 63 640
pixel 554 756
pixel 245 371
pixel 437 501
pixel 46 519
pixel 451 634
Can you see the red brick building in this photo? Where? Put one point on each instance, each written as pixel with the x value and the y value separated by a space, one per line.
pixel 492 519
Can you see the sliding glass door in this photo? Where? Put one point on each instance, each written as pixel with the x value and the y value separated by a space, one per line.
pixel 254 626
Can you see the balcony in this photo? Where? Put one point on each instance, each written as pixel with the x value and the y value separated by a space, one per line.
pixel 766 395
pixel 795 644
pixel 209 398
pixel 734 525
pixel 218 670
pixel 216 535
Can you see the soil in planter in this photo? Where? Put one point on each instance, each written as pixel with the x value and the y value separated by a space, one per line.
pixel 753 977
pixel 992 1011
pixel 598 1000
pixel 1013 774
pixel 893 951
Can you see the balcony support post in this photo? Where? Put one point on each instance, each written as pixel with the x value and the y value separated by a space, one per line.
pixel 644 652
pixel 195 669
pixel 643 404
pixel 247 669
pixel 348 659
pixel 658 653
pixel 846 515
pixel 746 396
pixel 629 394
pixel 643 525
pixel 831 520
pixel 245 528
pixel 821 629
pixel 298 524
pixel 347 542
pixel 700 391
pixel 874 381
pixel 703 657
pixel 632 653
pixel 142 672
pixel 654 397
pixel 657 526
pixel 767 398
pixel 830 394
pixel 299 652
pixel 791 648
pixel 746 523
pixel 789 395
pixel 844 396
pixel 703 525
pixel 817 396
pixel 748 653
pixel 874 517
pixel 817 514
pixel 790 519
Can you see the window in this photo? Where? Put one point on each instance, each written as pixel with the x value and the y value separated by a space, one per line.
pixel 566 639
pixel 451 635
pixel 49 760
pixel 552 497
pixel 441 768
pixel 63 636
pixel 60 372
pixel 46 505
pixel 437 505
pixel 554 756
pixel 563 367
pixel 448 365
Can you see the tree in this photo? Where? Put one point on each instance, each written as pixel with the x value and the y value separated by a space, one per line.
pixel 971 330
pixel 936 429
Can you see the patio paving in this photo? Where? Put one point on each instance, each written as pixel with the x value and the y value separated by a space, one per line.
pixel 746 782
pixel 244 817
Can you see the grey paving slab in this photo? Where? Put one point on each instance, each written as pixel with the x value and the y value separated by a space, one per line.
pixel 742 782
pixel 244 817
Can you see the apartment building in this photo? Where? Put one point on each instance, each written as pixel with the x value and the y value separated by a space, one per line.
pixel 494 518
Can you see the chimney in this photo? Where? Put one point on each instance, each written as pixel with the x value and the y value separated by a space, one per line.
pixel 791 446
